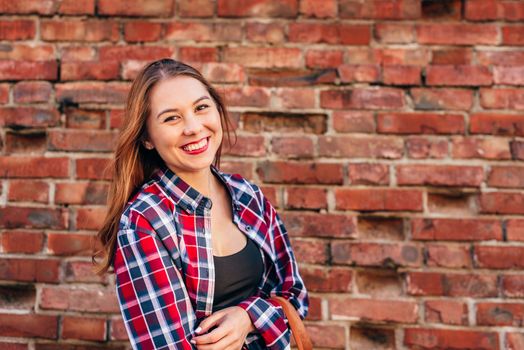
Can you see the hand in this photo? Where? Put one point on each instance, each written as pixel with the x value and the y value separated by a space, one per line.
pixel 233 325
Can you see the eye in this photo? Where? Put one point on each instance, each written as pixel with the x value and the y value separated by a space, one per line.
pixel 171 118
pixel 202 107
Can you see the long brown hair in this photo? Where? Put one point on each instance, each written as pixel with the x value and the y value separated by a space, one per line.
pixel 133 164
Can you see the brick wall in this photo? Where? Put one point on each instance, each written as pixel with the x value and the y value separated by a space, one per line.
pixel 390 134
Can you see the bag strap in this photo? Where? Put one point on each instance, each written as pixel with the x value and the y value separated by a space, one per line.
pixel 295 323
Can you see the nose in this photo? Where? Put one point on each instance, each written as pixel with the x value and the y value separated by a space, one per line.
pixel 192 125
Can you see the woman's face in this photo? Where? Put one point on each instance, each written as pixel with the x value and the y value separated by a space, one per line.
pixel 184 124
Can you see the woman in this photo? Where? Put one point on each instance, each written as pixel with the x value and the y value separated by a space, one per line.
pixel 197 253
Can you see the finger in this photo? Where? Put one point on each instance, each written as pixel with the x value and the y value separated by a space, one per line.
pixel 209 322
pixel 224 343
pixel 212 337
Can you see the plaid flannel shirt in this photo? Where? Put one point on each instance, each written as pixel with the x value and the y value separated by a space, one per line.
pixel 164 264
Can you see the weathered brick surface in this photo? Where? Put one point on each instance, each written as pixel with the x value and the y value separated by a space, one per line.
pixel 388 134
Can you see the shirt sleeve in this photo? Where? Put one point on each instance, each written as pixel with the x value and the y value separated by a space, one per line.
pixel 267 316
pixel 152 297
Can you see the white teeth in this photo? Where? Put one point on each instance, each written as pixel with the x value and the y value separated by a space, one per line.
pixel 195 146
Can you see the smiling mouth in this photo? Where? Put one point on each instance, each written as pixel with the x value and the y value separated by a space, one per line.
pixel 198 146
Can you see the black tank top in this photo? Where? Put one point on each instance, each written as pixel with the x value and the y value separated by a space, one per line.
pixel 237 276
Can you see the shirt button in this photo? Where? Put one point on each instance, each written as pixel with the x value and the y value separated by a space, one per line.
pixel 248 228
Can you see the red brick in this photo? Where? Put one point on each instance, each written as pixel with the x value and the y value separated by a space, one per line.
pixel 513 35
pixel 90 218
pixel 258 8
pixel 25 217
pixel 461 203
pixel 452 56
pixel 305 198
pixel 198 54
pixel 378 199
pixel 247 146
pixel 29 270
pixel 27 143
pixel 508 75
pixel 304 224
pixel 349 73
pixel 203 32
pixel 131 68
pixel 29 325
pixel 480 10
pixel 500 314
pixel 118 329
pixel 515 230
pixel 318 8
pixel 22 242
pixel 93 169
pixel 107 70
pixel 79 298
pixel 419 338
pixel 78 53
pixel 379 284
pixel 73 7
pixel 401 311
pixel 421 148
pixel 440 175
pixel 368 174
pixel 85 118
pixel 29 53
pixel 515 341
pixel 70 244
pixel 81 193
pixel 376 254
pixel 324 58
pixel 502 203
pixel 28 117
pixel 452 285
pixel 500 58
pixel 332 279
pixel 429 99
pixel 92 92
pixel 394 33
pixel 82 271
pixel 448 255
pixel 367 337
pixel 353 121
pixel 447 312
pixel 377 9
pixel 129 52
pixel 315 311
pixel 499 257
pixel 292 147
pixel 196 8
pixel 273 33
pixel 4 93
pixel 28 191
pixel 81 140
pixel 360 147
pixel 457 34
pixel 401 75
pixel 32 91
pixel 258 57
pixel 371 98
pixel 150 8
pixel 506 176
pixel 517 149
pixel 363 55
pixel 407 57
pixel 75 30
pixel 140 31
pixel 456 229
pixel 294 98
pixel 246 96
pixel 84 328
pixel 34 167
pixel 41 7
pixel 290 77
pixel 18 29
pixel 484 148
pixel 327 336
pixel 458 75
pixel 13 346
pixel 420 123
pixel 513 286
pixel 300 173
pixel 310 251
pixel 380 228
pixel 25 70
pixel 502 98
pixel 330 33
pixel 512 10
pixel 497 124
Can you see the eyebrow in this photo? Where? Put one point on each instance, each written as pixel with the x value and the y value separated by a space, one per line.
pixel 176 109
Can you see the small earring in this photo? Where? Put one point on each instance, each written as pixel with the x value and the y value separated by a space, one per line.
pixel 148 145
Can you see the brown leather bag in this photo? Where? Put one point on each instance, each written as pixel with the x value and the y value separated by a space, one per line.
pixel 295 323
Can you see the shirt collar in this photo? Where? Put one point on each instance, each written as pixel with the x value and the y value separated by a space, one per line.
pixel 186 196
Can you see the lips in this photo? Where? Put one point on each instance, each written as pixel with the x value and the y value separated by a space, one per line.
pixel 196 147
